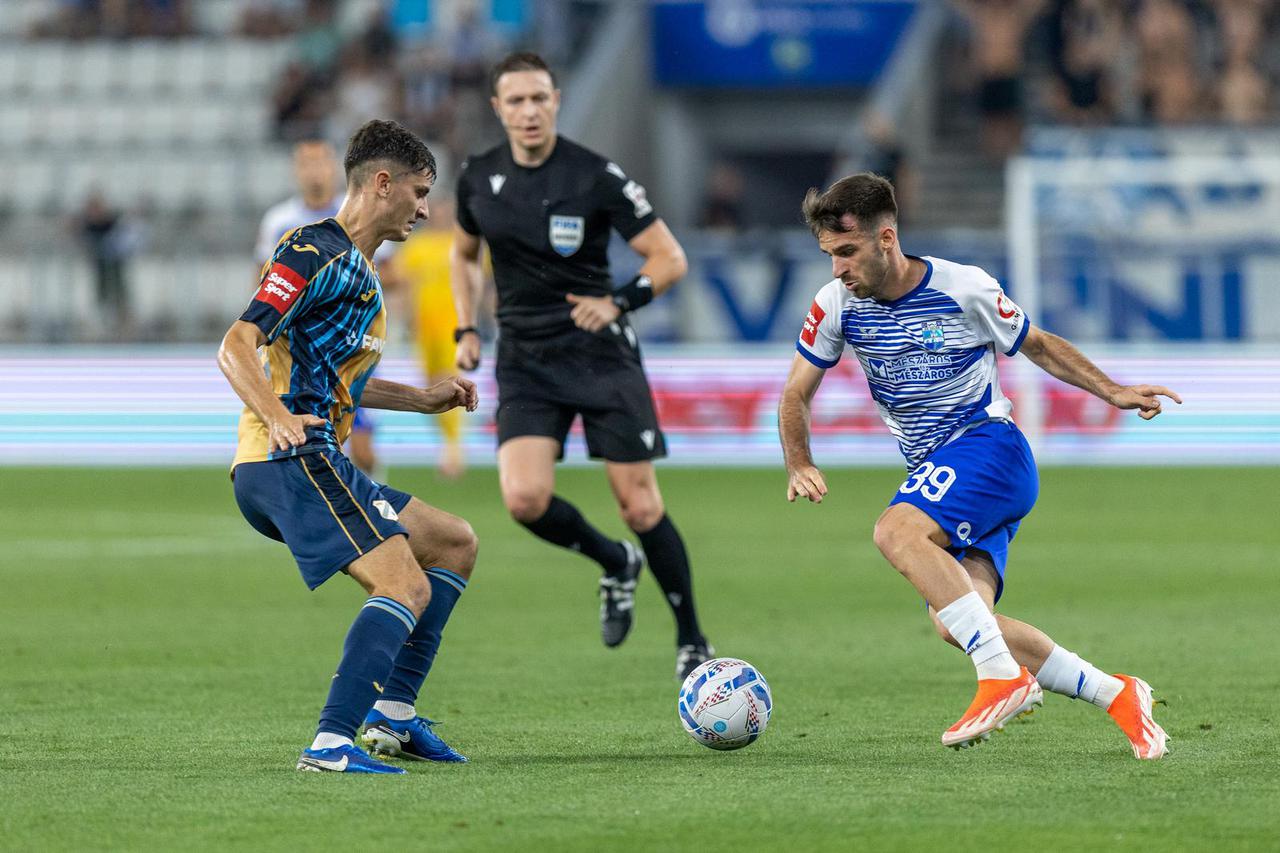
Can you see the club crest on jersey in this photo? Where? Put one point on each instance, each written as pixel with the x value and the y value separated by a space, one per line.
pixel 931 335
pixel 566 234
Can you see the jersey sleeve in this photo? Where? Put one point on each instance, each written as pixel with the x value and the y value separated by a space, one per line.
pixel 465 219
pixel 285 285
pixel 994 315
pixel 625 201
pixel 821 338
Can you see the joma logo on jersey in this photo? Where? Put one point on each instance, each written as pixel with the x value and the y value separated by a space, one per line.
pixel 566 233
pixel 931 335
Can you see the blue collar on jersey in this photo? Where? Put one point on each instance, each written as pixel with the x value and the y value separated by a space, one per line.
pixel 924 282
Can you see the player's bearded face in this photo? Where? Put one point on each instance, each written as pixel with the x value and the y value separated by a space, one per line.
pixel 527 104
pixel 860 263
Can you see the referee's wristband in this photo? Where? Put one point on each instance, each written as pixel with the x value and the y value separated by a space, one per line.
pixel 464 330
pixel 636 293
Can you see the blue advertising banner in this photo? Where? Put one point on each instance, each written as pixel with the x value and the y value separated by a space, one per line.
pixel 775 43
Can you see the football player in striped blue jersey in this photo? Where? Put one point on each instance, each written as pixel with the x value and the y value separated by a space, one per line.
pixel 318 316
pixel 926 332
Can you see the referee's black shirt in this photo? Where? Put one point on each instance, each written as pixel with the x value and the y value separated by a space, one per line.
pixel 548 229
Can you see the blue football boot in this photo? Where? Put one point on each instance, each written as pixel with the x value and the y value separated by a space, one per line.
pixel 343 759
pixel 406 739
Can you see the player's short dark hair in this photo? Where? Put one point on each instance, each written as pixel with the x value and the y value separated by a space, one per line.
pixel 867 196
pixel 386 142
pixel 519 61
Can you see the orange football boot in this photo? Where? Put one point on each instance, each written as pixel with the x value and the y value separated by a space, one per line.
pixel 1132 712
pixel 999 700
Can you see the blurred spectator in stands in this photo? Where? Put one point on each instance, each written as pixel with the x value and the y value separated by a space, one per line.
pixel 885 156
pixel 1243 93
pixel 366 88
pixel 999 31
pixel 319 40
pixel 299 103
pixel 1170 87
pixel 266 19
pixel 1086 41
pixel 722 203
pixel 428 92
pixel 157 18
pixel 107 242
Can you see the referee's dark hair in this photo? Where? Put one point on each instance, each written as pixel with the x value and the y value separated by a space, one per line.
pixel 867 196
pixel 519 61
pixel 386 142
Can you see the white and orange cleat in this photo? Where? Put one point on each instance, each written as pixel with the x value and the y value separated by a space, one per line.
pixel 999 700
pixel 1132 712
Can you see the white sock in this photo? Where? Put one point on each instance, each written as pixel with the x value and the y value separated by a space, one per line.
pixel 974 627
pixel 1067 673
pixel 328 740
pixel 395 710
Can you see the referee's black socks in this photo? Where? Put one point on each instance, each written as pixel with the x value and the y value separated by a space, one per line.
pixel 563 525
pixel 669 562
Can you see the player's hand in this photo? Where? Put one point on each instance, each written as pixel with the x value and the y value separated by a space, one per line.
pixel 468 352
pixel 592 313
pixel 290 431
pixel 806 482
pixel 450 394
pixel 1144 398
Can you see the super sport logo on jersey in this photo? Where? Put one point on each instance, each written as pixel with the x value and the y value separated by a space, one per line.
pixel 280 288
pixel 809 333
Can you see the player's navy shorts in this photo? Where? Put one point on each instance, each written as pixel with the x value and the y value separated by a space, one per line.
pixel 978 488
pixel 322 506
pixel 363 420
pixel 544 384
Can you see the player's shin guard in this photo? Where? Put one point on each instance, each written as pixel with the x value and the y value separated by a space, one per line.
pixel 414 660
pixel 563 525
pixel 974 628
pixel 375 638
pixel 669 562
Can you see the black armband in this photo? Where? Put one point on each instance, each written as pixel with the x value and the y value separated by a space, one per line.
pixel 636 293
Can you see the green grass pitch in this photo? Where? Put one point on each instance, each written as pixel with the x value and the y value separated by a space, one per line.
pixel 161 665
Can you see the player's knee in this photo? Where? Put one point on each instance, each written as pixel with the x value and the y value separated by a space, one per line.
pixel 641 512
pixel 418 593
pixel 526 505
pixel 888 536
pixel 464 545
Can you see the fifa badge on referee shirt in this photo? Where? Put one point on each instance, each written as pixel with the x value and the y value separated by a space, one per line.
pixel 931 335
pixel 566 234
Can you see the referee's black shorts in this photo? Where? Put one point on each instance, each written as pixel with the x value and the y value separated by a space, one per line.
pixel 543 384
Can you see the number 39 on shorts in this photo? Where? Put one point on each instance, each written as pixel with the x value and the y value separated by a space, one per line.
pixel 932 481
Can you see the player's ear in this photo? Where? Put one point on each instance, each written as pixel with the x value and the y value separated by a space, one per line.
pixel 382 182
pixel 493 102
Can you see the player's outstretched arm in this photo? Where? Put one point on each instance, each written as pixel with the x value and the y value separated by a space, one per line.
pixel 238 360
pixel 454 392
pixel 1059 358
pixel 803 477
pixel 466 280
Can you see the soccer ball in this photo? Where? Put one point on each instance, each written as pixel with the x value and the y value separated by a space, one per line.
pixel 725 703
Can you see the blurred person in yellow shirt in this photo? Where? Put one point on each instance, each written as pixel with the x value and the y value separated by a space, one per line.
pixel 423 266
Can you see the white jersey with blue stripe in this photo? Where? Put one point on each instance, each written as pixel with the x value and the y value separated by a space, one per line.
pixel 929 356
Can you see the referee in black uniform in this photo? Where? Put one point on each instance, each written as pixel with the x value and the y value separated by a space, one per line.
pixel 545 206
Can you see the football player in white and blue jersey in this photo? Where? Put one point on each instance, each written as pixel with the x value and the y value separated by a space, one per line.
pixel 927 332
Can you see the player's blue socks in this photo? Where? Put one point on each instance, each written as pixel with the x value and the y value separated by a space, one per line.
pixel 415 657
pixel 367 658
pixel 562 524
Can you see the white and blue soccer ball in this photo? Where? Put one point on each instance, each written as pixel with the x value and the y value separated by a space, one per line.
pixel 725 703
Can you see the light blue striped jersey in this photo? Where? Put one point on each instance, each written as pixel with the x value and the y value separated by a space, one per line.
pixel 929 356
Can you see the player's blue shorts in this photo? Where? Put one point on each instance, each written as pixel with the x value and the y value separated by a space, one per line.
pixel 363 420
pixel 978 488
pixel 322 506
